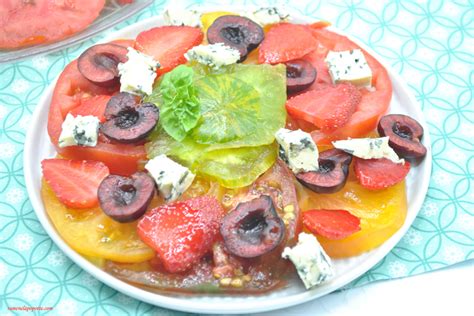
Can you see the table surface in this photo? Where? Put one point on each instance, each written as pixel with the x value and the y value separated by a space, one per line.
pixel 443 292
pixel 429 43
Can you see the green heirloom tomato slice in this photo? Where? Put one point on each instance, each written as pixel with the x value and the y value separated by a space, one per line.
pixel 241 108
pixel 231 168
pixel 229 111
pixel 237 167
pixel 185 152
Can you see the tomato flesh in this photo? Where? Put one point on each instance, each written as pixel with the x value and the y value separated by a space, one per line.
pixel 73 90
pixel 373 104
pixel 265 273
pixel 92 233
pixel 381 214
pixel 25 23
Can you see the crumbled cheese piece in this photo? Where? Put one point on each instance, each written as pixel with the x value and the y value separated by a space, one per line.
pixel 178 16
pixel 270 15
pixel 368 148
pixel 312 263
pixel 349 66
pixel 215 55
pixel 79 131
pixel 298 150
pixel 171 178
pixel 138 73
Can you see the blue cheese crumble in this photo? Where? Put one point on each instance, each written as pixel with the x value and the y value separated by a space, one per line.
pixel 311 262
pixel 182 17
pixel 79 131
pixel 138 73
pixel 270 15
pixel 171 178
pixel 368 148
pixel 214 56
pixel 349 66
pixel 298 150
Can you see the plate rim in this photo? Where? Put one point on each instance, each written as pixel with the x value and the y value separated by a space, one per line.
pixel 225 306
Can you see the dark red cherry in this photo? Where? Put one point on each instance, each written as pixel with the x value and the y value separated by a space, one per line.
pixel 126 199
pixel 99 63
pixel 237 32
pixel 128 121
pixel 300 74
pixel 332 173
pixel 404 134
pixel 253 228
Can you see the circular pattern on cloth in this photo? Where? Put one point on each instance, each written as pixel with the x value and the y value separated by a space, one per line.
pixel 427 42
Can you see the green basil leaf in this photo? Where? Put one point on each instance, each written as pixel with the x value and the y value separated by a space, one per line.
pixel 180 109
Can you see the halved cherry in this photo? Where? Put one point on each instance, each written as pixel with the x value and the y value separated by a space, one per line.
pixel 404 134
pixel 128 121
pixel 237 32
pixel 332 173
pixel 126 199
pixel 300 74
pixel 253 228
pixel 99 63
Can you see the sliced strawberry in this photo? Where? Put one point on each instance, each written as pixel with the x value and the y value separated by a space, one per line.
pixel 378 174
pixel 327 106
pixel 94 106
pixel 182 232
pixel 168 44
pixel 75 182
pixel 285 42
pixel 332 224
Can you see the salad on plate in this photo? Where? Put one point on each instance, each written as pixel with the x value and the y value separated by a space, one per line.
pixel 226 152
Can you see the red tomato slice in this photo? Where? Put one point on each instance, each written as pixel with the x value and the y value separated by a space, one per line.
pixel 24 23
pixel 121 159
pixel 93 106
pixel 71 90
pixel 372 105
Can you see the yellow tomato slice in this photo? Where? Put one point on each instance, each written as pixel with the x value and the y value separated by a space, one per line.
pixel 93 234
pixel 208 18
pixel 381 214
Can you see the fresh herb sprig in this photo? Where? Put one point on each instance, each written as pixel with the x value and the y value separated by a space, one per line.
pixel 179 103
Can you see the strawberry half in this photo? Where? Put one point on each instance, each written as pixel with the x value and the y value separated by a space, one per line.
pixel 285 42
pixel 168 44
pixel 332 224
pixel 378 174
pixel 75 182
pixel 327 106
pixel 93 106
pixel 182 232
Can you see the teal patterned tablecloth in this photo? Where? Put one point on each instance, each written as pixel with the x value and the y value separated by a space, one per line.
pixel 430 43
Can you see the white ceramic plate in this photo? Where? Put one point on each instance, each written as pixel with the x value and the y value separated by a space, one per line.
pixel 38 147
